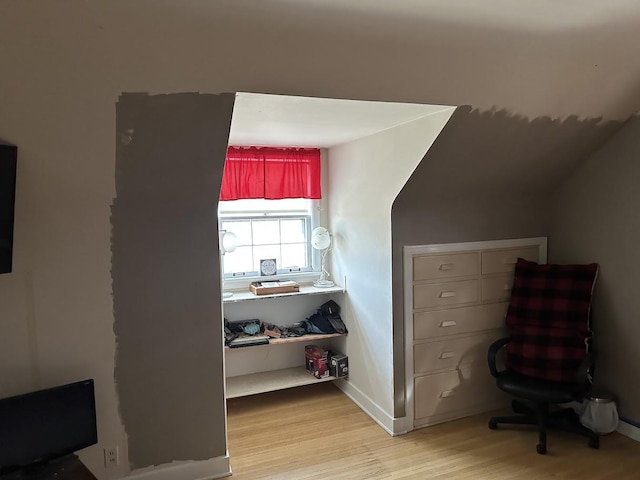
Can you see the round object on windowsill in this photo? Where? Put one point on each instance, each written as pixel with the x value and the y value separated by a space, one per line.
pixel 323 283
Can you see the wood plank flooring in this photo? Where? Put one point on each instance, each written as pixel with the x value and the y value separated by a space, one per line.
pixel 316 432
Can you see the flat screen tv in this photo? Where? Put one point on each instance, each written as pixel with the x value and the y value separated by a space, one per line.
pixel 8 159
pixel 41 426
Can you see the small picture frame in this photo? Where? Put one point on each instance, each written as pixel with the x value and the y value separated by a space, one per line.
pixel 268 267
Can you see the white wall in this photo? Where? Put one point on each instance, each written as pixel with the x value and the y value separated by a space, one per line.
pixel 360 221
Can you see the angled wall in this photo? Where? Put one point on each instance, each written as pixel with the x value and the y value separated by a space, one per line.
pixel 488 176
pixel 596 220
pixel 364 177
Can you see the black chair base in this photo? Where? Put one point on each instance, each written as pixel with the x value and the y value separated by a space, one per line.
pixel 538 414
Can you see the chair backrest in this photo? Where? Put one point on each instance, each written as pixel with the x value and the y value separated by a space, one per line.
pixel 548 319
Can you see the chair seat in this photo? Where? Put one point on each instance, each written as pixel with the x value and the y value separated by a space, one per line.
pixel 537 390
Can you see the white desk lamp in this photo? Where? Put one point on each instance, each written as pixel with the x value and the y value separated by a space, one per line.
pixel 228 244
pixel 321 240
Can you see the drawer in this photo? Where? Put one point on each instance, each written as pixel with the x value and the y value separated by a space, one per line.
pixel 504 260
pixel 456 390
pixel 443 294
pixel 497 288
pixel 447 354
pixel 458 320
pixel 436 267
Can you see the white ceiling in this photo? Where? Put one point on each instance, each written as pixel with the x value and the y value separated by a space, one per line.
pixel 280 120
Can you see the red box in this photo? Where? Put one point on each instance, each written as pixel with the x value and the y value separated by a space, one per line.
pixel 316 361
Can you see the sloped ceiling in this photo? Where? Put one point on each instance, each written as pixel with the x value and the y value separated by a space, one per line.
pixel 283 120
pixel 543 15
pixel 532 58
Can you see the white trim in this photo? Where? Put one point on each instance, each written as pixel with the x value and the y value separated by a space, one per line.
pixel 218 467
pixel 389 424
pixel 628 430
pixel 408 254
pixel 482 245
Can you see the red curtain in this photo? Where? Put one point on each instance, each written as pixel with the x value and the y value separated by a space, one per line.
pixel 271 173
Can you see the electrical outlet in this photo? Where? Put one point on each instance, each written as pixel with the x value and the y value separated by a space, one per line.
pixel 111 458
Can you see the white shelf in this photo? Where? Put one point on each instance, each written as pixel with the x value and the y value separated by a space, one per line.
pixel 273 380
pixel 243 296
pixel 310 337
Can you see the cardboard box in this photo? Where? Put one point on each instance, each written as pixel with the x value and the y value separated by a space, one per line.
pixel 316 361
pixel 266 288
pixel 338 365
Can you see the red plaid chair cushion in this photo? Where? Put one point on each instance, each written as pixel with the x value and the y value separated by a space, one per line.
pixel 548 319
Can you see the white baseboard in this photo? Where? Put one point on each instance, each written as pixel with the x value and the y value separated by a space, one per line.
pixel 628 430
pixel 393 426
pixel 218 467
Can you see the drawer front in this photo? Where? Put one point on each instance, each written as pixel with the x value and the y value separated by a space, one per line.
pixel 443 294
pixel 436 267
pixel 504 261
pixel 497 288
pixel 457 390
pixel 458 320
pixel 445 354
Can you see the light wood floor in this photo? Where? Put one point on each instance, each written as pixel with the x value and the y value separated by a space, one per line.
pixel 316 432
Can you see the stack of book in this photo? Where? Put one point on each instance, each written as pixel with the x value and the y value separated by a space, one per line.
pixel 266 288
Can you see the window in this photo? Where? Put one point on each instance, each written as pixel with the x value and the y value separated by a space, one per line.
pixel 265 229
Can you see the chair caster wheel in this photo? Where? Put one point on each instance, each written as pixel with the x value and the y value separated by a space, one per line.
pixel 541 449
pixel 594 442
pixel 492 425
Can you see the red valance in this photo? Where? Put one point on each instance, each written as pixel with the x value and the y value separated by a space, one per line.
pixel 271 173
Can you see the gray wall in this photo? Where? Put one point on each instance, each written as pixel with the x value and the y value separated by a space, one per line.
pixel 597 220
pixel 488 176
pixel 166 281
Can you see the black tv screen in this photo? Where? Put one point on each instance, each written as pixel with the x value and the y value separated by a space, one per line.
pixel 8 159
pixel 41 426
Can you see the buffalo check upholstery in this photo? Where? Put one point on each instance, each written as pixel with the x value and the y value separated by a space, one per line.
pixel 548 319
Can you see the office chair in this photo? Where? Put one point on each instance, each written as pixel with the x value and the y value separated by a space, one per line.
pixel 548 361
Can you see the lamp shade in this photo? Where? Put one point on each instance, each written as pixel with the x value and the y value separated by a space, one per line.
pixel 320 238
pixel 229 242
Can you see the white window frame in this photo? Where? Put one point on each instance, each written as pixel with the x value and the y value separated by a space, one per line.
pixel 313 214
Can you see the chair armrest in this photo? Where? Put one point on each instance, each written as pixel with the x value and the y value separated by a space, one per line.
pixel 494 348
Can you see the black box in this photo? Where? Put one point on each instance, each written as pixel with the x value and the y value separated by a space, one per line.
pixel 338 365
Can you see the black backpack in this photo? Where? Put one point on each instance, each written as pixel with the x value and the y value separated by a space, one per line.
pixel 326 319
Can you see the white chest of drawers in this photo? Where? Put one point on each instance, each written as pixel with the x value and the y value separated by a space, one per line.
pixel 456 296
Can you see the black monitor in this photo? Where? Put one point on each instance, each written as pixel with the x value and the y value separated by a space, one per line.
pixel 8 159
pixel 47 424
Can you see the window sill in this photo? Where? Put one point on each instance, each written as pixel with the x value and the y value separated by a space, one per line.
pixel 245 295
pixel 242 283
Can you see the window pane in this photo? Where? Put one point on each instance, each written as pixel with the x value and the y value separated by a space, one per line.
pixel 242 229
pixel 293 231
pixel 266 232
pixel 263 252
pixel 294 255
pixel 240 260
